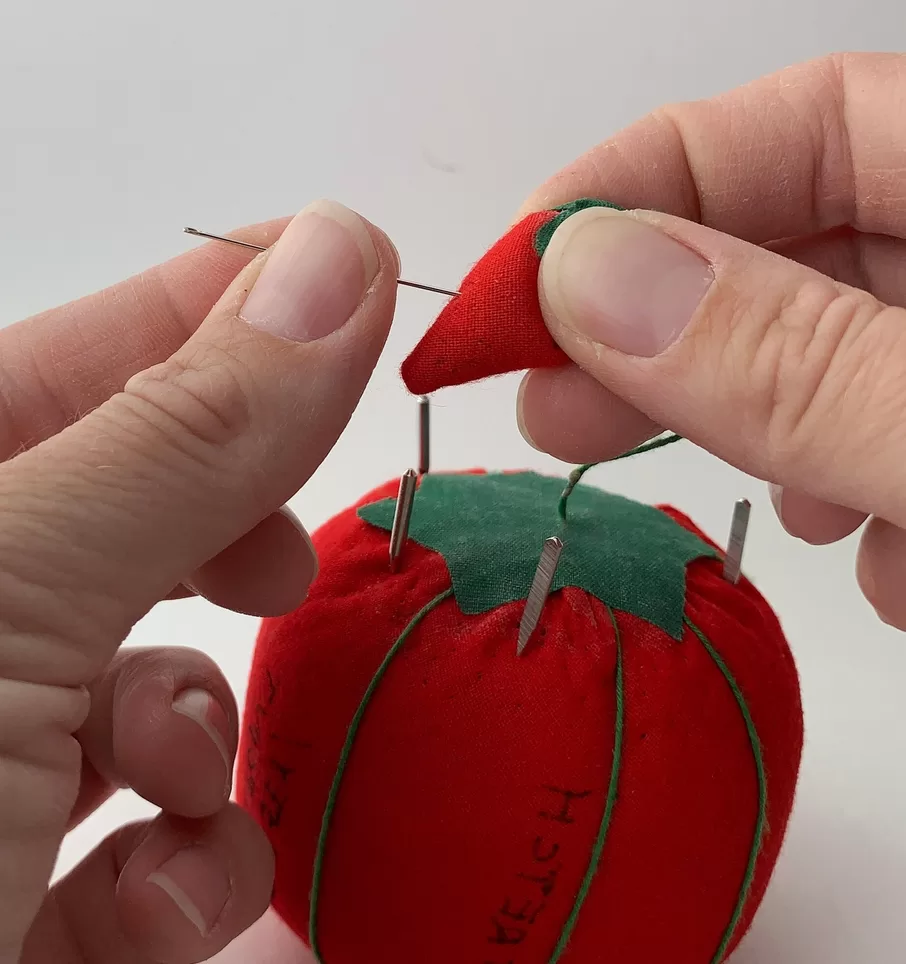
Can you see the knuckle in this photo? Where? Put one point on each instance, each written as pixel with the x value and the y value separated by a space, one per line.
pixel 164 667
pixel 49 629
pixel 831 372
pixel 36 719
pixel 38 794
pixel 201 399
pixel 798 363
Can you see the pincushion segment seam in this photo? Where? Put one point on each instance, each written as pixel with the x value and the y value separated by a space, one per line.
pixel 612 791
pixel 761 820
pixel 600 841
pixel 354 725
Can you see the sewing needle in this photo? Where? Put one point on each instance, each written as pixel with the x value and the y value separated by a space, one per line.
pixel 258 247
pixel 737 541
pixel 402 516
pixel 541 588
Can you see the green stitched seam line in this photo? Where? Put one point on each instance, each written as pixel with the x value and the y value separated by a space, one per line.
pixel 576 475
pixel 344 760
pixel 608 808
pixel 762 793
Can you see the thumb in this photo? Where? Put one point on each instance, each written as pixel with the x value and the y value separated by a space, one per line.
pixel 99 522
pixel 771 366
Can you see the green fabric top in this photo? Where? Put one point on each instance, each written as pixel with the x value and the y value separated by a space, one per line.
pixel 490 530
pixel 546 231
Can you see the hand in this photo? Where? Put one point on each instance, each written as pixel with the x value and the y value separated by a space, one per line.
pixel 761 315
pixel 200 429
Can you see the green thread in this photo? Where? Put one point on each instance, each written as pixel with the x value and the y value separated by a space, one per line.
pixel 598 848
pixel 762 792
pixel 576 475
pixel 344 760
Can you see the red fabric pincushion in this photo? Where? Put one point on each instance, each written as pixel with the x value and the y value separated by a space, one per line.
pixel 620 792
pixel 494 325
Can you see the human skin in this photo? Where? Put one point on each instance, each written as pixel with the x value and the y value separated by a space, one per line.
pixel 788 198
pixel 211 399
pixel 781 347
pixel 752 299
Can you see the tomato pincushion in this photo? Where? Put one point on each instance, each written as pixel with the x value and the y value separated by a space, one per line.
pixel 618 792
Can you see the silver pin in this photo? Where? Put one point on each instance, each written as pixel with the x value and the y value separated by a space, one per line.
pixel 541 588
pixel 258 247
pixel 402 516
pixel 424 435
pixel 737 541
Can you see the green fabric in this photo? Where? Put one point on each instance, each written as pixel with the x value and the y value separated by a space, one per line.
pixel 546 231
pixel 490 530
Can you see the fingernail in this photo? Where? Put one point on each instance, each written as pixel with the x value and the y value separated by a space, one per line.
pixel 315 277
pixel 776 495
pixel 865 579
pixel 200 706
pixel 867 583
pixel 291 517
pixel 520 413
pixel 194 879
pixel 622 283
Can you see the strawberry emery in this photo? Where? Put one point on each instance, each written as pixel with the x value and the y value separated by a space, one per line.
pixel 494 325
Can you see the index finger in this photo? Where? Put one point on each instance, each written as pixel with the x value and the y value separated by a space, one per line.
pixel 98 523
pixel 813 147
pixel 57 366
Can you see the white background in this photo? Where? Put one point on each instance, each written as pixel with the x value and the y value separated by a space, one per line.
pixel 121 122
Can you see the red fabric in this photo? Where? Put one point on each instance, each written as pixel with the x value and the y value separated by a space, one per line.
pixel 494 325
pixel 437 842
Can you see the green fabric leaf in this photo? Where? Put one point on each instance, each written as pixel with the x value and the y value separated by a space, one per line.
pixel 490 530
pixel 546 231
